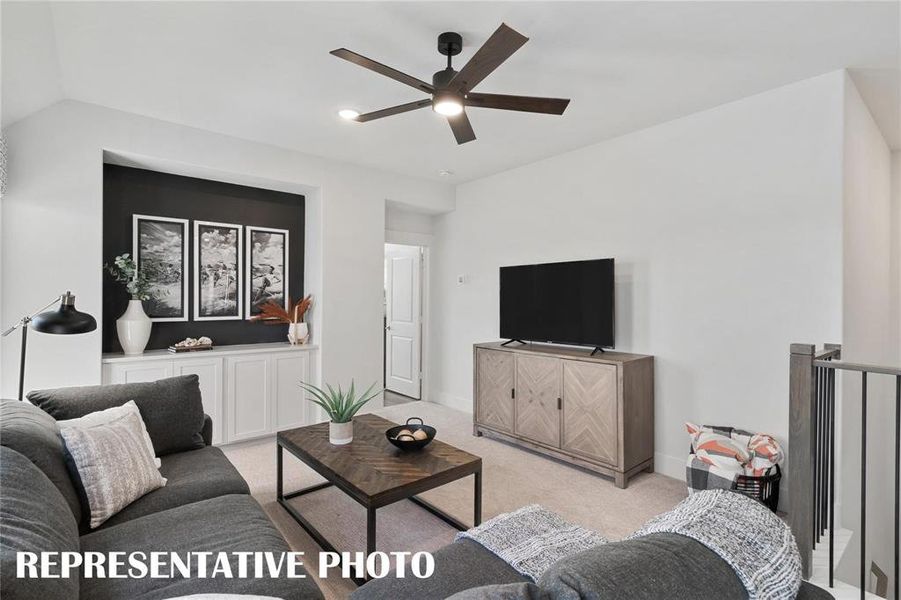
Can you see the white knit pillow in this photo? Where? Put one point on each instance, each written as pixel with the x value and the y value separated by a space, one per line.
pixel 114 465
pixel 104 417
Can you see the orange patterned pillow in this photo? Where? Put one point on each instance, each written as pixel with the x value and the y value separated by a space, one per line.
pixel 717 449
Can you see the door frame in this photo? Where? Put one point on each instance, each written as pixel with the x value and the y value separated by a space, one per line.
pixel 424 241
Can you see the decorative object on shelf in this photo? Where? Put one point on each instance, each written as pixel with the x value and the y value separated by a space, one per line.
pixel 340 406
pixel 192 345
pixel 272 313
pixel 65 320
pixel 411 436
pixel 160 249
pixel 134 325
pixel 218 278
pixel 267 269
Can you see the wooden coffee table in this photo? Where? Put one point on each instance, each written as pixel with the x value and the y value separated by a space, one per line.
pixel 375 473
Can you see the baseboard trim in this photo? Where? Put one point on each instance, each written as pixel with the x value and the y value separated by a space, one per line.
pixel 451 401
pixel 671 466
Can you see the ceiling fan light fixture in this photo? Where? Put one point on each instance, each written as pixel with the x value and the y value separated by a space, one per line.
pixel 348 114
pixel 449 105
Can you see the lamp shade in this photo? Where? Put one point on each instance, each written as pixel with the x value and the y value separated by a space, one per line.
pixel 65 320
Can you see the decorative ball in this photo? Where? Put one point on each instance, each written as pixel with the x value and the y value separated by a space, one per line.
pixel 419 434
pixel 404 432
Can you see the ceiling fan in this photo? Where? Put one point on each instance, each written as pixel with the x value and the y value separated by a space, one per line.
pixel 451 91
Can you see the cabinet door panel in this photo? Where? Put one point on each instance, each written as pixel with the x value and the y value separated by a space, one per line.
pixel 495 385
pixel 537 394
pixel 209 371
pixel 248 396
pixel 589 410
pixel 138 372
pixel 288 398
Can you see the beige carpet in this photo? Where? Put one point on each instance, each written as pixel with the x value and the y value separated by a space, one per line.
pixel 512 478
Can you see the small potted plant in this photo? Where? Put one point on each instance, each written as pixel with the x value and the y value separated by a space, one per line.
pixel 273 313
pixel 340 407
pixel 134 325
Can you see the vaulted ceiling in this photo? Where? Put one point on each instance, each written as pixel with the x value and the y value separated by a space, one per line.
pixel 262 71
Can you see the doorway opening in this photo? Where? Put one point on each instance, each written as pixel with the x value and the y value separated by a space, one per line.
pixel 404 322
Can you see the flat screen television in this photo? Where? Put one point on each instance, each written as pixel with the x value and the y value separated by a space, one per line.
pixel 563 303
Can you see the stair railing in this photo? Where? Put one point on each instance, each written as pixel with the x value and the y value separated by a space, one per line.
pixel 812 452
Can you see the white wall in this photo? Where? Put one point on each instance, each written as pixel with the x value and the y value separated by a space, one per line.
pixel 51 236
pixel 726 229
pixel 869 331
pixel 405 220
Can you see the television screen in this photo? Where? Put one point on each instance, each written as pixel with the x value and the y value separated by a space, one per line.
pixel 564 303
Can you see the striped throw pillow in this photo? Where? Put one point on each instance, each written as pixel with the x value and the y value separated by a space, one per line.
pixel 113 463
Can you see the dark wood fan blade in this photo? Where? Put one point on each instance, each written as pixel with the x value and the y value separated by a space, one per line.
pixel 368 63
pixel 551 106
pixel 499 47
pixel 462 128
pixel 394 110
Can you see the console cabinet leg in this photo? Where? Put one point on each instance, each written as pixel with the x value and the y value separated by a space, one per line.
pixel 619 479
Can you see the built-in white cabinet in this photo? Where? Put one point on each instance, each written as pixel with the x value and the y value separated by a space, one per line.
pixel 250 391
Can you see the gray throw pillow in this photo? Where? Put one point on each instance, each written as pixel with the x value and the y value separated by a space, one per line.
pixel 171 408
pixel 661 566
pixel 33 433
pixel 113 464
pixel 34 517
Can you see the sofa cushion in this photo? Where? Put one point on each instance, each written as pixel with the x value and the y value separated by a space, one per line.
pixel 190 477
pixel 171 408
pixel 34 517
pixel 234 523
pixel 101 418
pixel 655 567
pixel 33 433
pixel 459 566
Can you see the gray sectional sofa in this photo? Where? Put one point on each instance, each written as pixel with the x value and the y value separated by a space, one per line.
pixel 204 507
pixel 661 566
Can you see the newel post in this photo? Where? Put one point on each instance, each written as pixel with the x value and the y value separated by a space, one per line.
pixel 801 449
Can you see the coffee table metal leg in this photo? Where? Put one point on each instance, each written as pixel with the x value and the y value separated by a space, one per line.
pixel 477 499
pixel 279 491
pixel 370 533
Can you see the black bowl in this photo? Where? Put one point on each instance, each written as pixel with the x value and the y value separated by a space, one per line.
pixel 407 442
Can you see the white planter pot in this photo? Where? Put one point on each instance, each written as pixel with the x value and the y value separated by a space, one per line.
pixel 297 333
pixel 133 328
pixel 340 433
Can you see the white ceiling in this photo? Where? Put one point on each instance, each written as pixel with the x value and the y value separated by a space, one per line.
pixel 261 71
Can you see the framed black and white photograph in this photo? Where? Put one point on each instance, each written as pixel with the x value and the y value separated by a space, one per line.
pixel 160 249
pixel 267 268
pixel 218 292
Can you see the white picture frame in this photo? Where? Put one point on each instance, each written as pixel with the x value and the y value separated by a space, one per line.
pixel 207 276
pixel 253 264
pixel 140 224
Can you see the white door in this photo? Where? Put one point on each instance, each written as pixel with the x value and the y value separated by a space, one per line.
pixel 403 332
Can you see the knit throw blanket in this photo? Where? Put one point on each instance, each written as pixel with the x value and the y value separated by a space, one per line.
pixel 532 538
pixel 756 543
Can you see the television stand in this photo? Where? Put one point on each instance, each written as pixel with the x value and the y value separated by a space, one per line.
pixel 508 342
pixel 596 350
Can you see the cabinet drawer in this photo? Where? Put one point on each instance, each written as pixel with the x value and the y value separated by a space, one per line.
pixel 494 389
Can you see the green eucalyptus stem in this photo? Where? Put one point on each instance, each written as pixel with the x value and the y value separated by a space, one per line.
pixel 339 405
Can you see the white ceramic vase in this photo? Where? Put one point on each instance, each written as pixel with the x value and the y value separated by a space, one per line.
pixel 340 433
pixel 133 328
pixel 297 333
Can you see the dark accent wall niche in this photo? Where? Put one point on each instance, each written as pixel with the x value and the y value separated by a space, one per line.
pixel 128 191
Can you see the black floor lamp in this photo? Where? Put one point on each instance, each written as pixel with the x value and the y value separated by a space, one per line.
pixel 63 321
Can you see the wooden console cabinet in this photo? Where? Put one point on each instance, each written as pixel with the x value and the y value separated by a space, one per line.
pixel 596 412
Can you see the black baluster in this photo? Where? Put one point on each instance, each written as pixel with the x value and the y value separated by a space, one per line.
pixel 863 486
pixel 816 456
pixel 831 388
pixel 897 478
